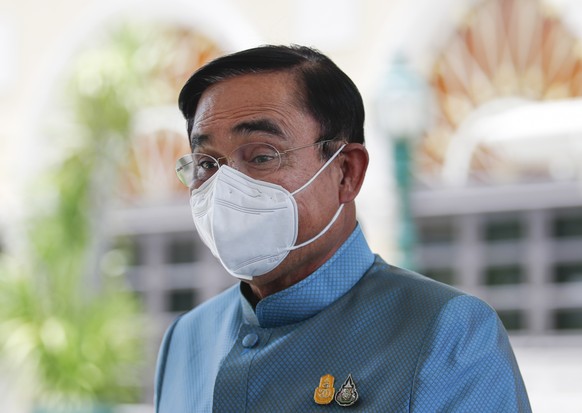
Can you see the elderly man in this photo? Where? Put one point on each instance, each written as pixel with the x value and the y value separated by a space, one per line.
pixel 318 322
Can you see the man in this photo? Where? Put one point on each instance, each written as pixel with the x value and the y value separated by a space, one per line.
pixel 318 322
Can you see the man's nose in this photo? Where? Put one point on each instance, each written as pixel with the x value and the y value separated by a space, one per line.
pixel 230 161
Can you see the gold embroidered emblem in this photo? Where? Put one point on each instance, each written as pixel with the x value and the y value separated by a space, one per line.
pixel 325 392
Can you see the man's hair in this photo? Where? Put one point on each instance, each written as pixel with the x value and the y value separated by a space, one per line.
pixel 325 91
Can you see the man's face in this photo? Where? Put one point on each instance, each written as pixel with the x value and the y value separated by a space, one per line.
pixel 267 108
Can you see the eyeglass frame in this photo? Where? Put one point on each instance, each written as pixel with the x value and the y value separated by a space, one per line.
pixel 222 158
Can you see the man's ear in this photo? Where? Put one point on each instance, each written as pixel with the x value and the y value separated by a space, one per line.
pixel 354 163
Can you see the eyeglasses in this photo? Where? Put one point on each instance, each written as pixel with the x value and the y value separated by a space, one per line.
pixel 255 159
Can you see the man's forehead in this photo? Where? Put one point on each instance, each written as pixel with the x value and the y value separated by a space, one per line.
pixel 245 104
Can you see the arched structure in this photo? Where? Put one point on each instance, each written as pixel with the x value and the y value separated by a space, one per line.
pixel 221 23
pixel 474 52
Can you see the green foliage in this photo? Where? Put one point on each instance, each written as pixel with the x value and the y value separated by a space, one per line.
pixel 73 329
pixel 79 346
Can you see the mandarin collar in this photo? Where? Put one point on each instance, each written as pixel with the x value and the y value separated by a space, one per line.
pixel 314 293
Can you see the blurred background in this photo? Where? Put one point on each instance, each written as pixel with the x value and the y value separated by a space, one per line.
pixel 475 132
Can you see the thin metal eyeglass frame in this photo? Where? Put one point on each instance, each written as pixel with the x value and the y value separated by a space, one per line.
pixel 218 160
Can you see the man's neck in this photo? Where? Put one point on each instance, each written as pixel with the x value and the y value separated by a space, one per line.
pixel 301 263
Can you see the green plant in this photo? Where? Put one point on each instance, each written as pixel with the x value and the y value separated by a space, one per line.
pixel 74 332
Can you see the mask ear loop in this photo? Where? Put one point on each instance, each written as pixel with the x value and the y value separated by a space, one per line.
pixel 325 165
pixel 337 213
pixel 323 231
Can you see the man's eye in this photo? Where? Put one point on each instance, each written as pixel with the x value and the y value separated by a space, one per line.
pixel 207 164
pixel 262 159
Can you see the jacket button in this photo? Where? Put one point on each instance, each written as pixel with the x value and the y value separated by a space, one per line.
pixel 250 340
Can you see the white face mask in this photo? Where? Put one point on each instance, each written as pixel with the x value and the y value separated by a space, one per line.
pixel 249 225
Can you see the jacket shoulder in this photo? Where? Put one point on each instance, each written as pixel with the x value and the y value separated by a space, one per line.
pixel 213 310
pixel 385 279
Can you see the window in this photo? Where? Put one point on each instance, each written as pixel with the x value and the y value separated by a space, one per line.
pixel 568 272
pixel 181 250
pixel 503 229
pixel 133 248
pixel 436 231
pixel 504 275
pixel 512 319
pixel 444 275
pixel 568 224
pixel 568 319
pixel 181 300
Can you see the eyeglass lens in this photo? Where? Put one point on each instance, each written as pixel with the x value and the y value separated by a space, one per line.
pixel 253 159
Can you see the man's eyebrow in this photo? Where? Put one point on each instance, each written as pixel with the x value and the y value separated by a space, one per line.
pixel 244 128
pixel 258 125
pixel 197 139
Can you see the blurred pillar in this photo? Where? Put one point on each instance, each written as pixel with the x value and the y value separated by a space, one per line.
pixel 403 113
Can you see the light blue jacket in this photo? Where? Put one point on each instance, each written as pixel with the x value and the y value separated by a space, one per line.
pixel 409 343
